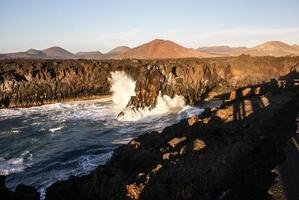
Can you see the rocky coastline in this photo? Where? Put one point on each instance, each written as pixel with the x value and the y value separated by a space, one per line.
pixel 25 83
pixel 226 153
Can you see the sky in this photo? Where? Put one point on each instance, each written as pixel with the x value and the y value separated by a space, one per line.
pixel 100 25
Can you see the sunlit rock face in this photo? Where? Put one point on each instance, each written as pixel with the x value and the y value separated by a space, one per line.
pixel 224 153
pixel 26 83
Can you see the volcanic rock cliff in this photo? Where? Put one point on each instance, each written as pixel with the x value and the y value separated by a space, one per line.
pixel 224 153
pixel 35 82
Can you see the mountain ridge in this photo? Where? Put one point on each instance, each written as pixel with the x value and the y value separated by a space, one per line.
pixel 161 49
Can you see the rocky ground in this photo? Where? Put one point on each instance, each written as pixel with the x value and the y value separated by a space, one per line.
pixel 226 153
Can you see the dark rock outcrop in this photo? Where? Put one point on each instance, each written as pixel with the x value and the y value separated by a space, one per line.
pixel 26 83
pixel 225 153
pixel 22 192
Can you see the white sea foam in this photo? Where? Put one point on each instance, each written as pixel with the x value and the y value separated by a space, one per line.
pixel 14 165
pixel 165 104
pixel 52 130
pixel 122 88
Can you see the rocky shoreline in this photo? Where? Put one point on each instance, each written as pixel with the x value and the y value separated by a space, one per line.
pixel 225 153
pixel 25 83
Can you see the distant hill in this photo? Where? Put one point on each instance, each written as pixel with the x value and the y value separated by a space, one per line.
pixel 116 52
pixel 223 50
pixel 158 49
pixel 31 53
pixel 296 46
pixel 271 48
pixel 274 48
pixel 58 53
pixel 95 55
pixel 50 53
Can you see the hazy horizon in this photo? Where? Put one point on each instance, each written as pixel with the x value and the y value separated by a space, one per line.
pixel 101 26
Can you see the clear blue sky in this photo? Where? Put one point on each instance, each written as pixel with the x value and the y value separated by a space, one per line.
pixel 89 25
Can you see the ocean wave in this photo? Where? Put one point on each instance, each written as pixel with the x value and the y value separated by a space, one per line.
pixel 165 104
pixel 52 130
pixel 14 165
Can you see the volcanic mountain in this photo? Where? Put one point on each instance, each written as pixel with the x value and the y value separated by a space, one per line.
pixel 31 53
pixel 116 52
pixel 157 49
pixel 274 48
pixel 95 55
pixel 58 53
pixel 50 53
pixel 223 50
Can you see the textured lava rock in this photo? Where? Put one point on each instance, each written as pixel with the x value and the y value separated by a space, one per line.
pixel 225 153
pixel 35 82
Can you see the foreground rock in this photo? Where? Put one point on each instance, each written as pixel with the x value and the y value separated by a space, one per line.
pixel 21 192
pixel 225 153
pixel 26 83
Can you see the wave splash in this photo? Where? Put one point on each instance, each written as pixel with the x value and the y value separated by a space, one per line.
pixel 13 165
pixel 123 88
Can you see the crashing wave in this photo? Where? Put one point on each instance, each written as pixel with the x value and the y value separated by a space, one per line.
pixel 123 88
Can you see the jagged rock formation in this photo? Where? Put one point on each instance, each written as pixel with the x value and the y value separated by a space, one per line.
pixel 26 83
pixel 35 82
pixel 194 79
pixel 226 153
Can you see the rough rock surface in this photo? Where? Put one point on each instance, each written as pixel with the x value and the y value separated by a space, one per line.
pixel 26 83
pixel 226 153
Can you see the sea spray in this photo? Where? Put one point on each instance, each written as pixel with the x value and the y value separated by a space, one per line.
pixel 122 88
pixel 165 104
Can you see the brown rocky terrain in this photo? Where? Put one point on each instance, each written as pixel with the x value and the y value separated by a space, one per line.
pixel 195 79
pixel 26 83
pixel 158 49
pixel 225 153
